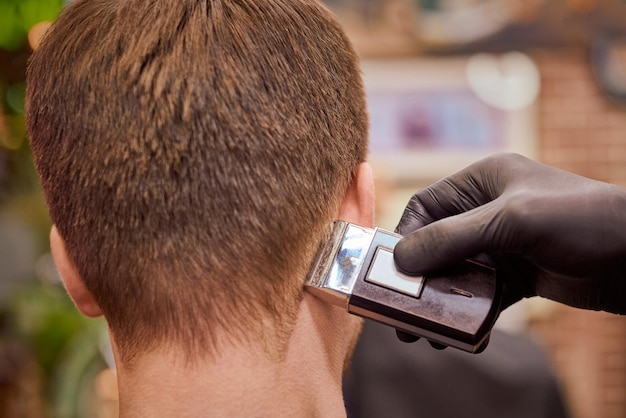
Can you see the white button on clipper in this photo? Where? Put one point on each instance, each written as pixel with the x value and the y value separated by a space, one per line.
pixel 384 273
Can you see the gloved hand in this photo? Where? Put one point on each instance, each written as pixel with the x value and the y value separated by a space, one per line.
pixel 552 233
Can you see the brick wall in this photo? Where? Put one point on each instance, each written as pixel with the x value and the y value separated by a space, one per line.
pixel 581 131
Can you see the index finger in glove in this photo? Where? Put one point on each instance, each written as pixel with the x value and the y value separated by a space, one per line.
pixel 462 191
pixel 444 242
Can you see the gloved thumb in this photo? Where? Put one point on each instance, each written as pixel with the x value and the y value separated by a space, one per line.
pixel 443 242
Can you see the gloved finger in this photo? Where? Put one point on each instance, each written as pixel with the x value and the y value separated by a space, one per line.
pixel 597 294
pixel 444 242
pixel 465 190
pixel 405 337
pixel 518 278
pixel 414 216
pixel 435 202
pixel 437 346
pixel 484 345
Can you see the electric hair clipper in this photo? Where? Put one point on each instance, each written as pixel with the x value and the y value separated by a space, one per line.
pixel 456 307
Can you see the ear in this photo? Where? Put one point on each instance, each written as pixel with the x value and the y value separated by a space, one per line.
pixel 358 203
pixel 82 297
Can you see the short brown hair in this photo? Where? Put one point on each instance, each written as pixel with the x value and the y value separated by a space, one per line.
pixel 191 153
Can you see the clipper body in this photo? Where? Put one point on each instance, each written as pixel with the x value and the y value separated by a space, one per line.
pixel 456 307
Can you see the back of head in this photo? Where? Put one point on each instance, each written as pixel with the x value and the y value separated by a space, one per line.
pixel 191 154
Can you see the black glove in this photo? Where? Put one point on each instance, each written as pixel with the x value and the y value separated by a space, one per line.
pixel 552 233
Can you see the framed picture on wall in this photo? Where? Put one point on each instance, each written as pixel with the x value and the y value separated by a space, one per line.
pixel 431 117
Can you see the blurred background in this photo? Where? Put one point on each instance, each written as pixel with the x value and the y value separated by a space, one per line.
pixel 448 81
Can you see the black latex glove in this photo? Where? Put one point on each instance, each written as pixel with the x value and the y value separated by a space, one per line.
pixel 552 233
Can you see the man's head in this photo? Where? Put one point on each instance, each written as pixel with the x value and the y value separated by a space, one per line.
pixel 192 154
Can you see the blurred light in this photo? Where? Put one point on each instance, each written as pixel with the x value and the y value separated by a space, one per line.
pixel 106 385
pixel 18 17
pixel 106 350
pixel 4 129
pixel 14 133
pixel 510 81
pixel 11 31
pixel 461 21
pixel 36 33
pixel 46 270
pixel 15 97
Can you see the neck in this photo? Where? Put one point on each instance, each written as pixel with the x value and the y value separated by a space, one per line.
pixel 243 382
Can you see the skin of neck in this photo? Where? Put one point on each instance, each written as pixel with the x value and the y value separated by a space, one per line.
pixel 243 381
